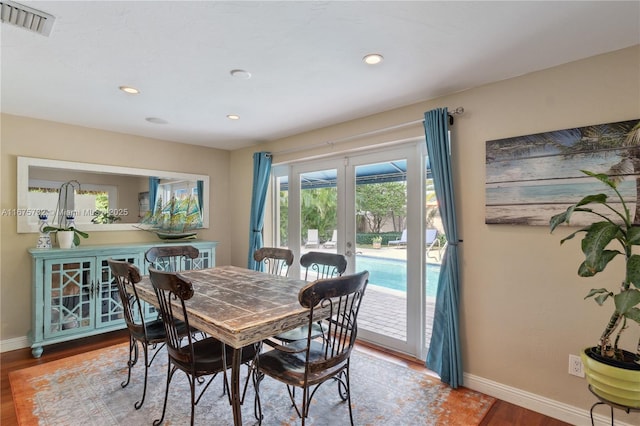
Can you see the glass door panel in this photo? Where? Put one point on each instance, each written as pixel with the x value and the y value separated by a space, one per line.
pixel 359 205
pixel 380 217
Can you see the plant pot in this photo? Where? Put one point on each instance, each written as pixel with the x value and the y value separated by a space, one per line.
pixel 377 245
pixel 611 381
pixel 65 239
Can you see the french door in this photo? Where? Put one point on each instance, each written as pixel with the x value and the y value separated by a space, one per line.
pixel 341 205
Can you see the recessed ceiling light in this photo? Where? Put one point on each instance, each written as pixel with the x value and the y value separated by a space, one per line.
pixel 241 74
pixel 373 59
pixel 233 116
pixel 130 90
pixel 156 120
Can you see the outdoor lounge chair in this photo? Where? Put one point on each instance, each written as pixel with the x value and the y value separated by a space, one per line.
pixel 401 242
pixel 333 241
pixel 312 238
pixel 432 242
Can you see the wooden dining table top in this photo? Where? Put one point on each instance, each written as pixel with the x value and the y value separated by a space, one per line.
pixel 238 306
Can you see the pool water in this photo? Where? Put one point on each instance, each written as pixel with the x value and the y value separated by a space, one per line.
pixel 392 273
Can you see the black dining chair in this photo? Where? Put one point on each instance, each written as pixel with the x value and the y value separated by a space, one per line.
pixel 276 260
pixel 317 265
pixel 334 302
pixel 150 334
pixel 196 358
pixel 173 258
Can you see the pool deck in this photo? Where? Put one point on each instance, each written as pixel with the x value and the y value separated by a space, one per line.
pixel 392 303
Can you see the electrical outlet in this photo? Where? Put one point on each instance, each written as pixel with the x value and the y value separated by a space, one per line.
pixel 575 366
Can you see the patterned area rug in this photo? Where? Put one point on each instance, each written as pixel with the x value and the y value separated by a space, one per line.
pixel 85 390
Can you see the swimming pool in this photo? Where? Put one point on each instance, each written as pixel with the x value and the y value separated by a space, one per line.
pixel 392 273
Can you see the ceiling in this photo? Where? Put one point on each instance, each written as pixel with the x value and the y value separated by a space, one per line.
pixel 304 57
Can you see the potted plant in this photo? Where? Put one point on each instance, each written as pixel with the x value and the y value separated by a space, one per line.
pixel 67 236
pixel 612 372
pixel 376 241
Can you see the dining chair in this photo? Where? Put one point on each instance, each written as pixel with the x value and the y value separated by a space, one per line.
pixel 335 302
pixel 147 333
pixel 173 258
pixel 317 265
pixel 196 358
pixel 276 260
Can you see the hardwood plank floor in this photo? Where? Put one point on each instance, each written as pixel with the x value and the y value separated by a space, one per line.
pixel 501 414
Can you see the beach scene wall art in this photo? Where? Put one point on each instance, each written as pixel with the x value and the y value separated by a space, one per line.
pixel 531 178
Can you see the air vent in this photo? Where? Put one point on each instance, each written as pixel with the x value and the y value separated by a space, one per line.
pixel 26 17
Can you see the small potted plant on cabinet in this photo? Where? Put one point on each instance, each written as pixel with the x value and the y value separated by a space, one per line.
pixel 612 372
pixel 68 236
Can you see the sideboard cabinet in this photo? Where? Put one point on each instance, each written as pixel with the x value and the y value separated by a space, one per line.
pixel 74 294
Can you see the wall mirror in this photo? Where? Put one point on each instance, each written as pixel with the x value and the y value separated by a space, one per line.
pixel 104 198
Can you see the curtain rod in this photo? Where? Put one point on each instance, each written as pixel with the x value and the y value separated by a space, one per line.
pixel 457 111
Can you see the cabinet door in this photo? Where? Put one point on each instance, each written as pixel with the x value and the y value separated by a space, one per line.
pixel 203 261
pixel 108 303
pixel 68 293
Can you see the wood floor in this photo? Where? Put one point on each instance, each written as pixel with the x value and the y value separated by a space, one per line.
pixel 502 413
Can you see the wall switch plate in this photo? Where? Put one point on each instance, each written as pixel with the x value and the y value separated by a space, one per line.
pixel 575 366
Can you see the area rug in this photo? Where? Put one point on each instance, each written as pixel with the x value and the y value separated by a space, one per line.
pixel 85 390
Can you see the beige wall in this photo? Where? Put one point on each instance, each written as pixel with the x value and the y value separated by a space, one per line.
pixel 43 139
pixel 522 308
pixel 522 311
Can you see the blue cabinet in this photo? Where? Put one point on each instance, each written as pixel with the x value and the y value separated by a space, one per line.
pixel 74 295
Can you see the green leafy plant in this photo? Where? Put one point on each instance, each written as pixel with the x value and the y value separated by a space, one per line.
pixel 76 232
pixel 103 216
pixel 603 241
pixel 376 239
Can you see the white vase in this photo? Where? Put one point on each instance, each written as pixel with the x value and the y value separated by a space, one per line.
pixel 65 239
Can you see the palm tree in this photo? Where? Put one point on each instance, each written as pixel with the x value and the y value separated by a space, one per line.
pixel 615 137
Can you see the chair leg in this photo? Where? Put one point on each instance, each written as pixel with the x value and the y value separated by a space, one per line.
pixel 349 393
pixel 170 372
pixel 257 407
pixel 145 348
pixel 133 358
pixel 192 386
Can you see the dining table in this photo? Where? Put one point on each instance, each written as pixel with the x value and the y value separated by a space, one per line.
pixel 239 307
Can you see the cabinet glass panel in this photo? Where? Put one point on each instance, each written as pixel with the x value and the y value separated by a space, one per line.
pixel 108 303
pixel 203 261
pixel 69 306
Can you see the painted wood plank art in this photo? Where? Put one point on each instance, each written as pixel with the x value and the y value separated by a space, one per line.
pixel 530 178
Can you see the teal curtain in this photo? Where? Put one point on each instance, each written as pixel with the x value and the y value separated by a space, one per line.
pixel 200 188
pixel 154 182
pixel 444 356
pixel 261 174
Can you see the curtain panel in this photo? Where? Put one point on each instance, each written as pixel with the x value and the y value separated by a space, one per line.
pixel 261 175
pixel 444 356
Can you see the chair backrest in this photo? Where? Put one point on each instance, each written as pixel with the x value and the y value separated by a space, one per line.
pixel 320 265
pixel 334 236
pixel 276 260
pixel 403 237
pixel 312 236
pixel 172 258
pixel 128 275
pixel 335 302
pixel 431 235
pixel 169 287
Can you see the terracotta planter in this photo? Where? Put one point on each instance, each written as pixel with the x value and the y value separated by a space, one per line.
pixel 65 239
pixel 612 383
pixel 377 245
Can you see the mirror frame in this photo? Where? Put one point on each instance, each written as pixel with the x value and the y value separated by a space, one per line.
pixel 24 163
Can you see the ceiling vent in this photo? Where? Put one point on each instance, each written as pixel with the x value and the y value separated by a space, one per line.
pixel 26 17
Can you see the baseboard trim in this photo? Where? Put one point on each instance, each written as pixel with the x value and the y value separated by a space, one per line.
pixel 13 344
pixel 548 407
